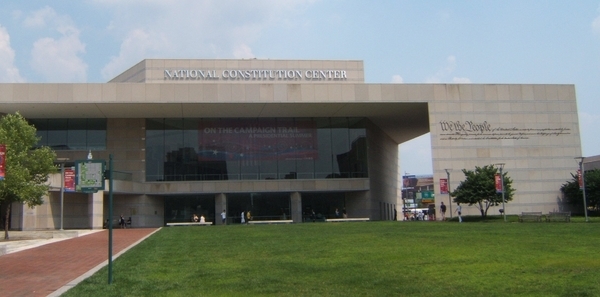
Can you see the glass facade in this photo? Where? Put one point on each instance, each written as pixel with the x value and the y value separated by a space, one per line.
pixel 71 134
pixel 255 149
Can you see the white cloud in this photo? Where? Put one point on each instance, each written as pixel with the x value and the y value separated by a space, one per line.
pixel 41 18
pixel 191 29
pixel 444 72
pixel 243 52
pixel 596 24
pixel 461 80
pixel 57 59
pixel 8 71
pixel 397 79
pixel 138 44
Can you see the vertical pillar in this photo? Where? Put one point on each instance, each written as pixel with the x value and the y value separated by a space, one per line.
pixel 296 207
pixel 96 210
pixel 220 205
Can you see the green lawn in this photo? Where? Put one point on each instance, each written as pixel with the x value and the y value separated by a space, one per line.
pixel 360 259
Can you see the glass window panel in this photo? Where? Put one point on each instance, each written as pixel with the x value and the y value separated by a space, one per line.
pixel 358 143
pixel 340 147
pixel 96 134
pixel 41 126
pixel 155 150
pixel 305 167
pixel 96 139
pixel 267 149
pixel 324 163
pixel 190 149
pixel 57 134
pixel 76 136
pixel 289 152
pixel 174 151
pixel 249 163
pixel 212 159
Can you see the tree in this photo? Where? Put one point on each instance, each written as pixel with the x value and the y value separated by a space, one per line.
pixel 574 195
pixel 27 169
pixel 479 189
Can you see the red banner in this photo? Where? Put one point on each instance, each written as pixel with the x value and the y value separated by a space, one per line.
pixel 2 161
pixel 498 182
pixel 580 179
pixel 257 140
pixel 69 180
pixel 443 186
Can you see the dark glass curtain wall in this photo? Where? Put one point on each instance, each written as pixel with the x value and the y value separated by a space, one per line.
pixel 71 134
pixel 255 149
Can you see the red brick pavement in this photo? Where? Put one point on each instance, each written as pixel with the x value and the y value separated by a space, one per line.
pixel 42 270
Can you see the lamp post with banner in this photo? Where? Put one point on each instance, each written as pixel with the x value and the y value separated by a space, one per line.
pixel 448 190
pixel 581 177
pixel 62 189
pixel 499 180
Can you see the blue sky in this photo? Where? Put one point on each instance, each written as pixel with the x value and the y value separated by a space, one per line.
pixel 399 41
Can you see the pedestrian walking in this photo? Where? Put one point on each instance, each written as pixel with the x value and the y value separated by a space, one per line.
pixel 459 211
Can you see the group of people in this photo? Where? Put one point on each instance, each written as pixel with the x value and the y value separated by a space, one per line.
pixel 245 217
pixel 458 211
pixel 197 219
pixel 343 214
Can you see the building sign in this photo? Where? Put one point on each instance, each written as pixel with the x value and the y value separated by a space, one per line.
pixel 257 140
pixel 443 186
pixel 498 183
pixel 470 130
pixel 90 175
pixel 2 161
pixel 255 74
pixel 69 179
pixel 409 182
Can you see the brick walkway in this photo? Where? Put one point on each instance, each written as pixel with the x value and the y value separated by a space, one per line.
pixel 42 270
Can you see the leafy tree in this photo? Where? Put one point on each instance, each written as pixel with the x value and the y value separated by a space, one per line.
pixel 479 189
pixel 574 195
pixel 27 169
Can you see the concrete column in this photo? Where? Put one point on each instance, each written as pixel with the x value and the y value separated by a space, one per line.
pixel 296 211
pixel 96 210
pixel 220 205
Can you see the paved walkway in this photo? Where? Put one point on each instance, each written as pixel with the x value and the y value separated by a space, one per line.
pixel 53 268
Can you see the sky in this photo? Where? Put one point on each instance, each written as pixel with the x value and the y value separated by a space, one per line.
pixel 510 41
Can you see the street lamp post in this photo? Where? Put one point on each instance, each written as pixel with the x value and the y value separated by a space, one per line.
pixel 404 185
pixel 449 195
pixel 62 189
pixel 581 170
pixel 501 166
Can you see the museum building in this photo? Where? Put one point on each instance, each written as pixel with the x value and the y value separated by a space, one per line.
pixel 284 139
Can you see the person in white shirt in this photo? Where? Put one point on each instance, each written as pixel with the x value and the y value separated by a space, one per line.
pixel 459 211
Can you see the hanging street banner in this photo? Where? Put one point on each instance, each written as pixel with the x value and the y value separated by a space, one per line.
pixel 2 161
pixel 580 179
pixel 69 179
pixel 443 186
pixel 90 175
pixel 498 183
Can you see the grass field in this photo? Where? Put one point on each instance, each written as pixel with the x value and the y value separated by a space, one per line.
pixel 360 259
